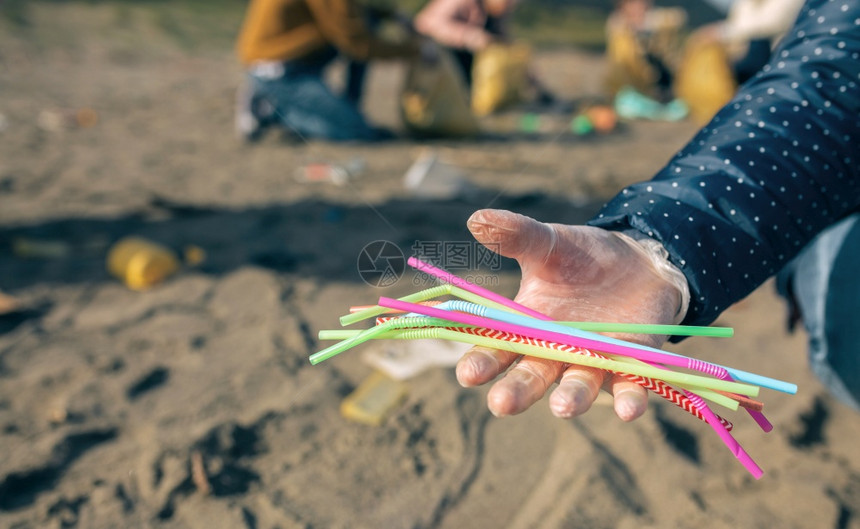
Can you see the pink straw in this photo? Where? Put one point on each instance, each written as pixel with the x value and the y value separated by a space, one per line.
pixel 709 415
pixel 549 336
pixel 444 275
pixel 448 277
pixel 735 447
pixel 658 386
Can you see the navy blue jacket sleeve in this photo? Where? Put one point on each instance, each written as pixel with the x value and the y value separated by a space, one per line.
pixel 774 167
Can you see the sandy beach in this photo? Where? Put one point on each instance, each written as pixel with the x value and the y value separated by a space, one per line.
pixel 193 404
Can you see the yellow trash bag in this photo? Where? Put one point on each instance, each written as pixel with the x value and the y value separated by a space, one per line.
pixel 499 77
pixel 705 80
pixel 627 50
pixel 434 100
pixel 626 64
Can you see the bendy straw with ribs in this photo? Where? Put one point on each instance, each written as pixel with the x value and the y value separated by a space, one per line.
pixel 481 317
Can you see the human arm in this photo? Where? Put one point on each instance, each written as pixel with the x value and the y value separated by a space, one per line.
pixel 454 23
pixel 773 168
pixel 342 24
pixel 783 154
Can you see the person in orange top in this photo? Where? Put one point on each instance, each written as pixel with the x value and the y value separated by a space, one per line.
pixel 285 46
pixel 465 27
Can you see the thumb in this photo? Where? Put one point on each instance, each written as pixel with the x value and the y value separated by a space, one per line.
pixel 513 235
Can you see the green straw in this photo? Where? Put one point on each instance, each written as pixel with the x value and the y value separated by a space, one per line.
pixel 630 328
pixel 717 398
pixel 644 328
pixel 372 312
pixel 573 358
pixel 373 332
pixel 424 295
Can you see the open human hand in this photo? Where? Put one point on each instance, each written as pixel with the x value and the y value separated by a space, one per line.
pixel 571 273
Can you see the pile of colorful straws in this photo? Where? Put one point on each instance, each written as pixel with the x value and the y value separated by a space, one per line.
pixel 481 317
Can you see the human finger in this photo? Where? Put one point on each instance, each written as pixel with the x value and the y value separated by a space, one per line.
pixel 523 385
pixel 576 391
pixel 511 234
pixel 480 365
pixel 630 400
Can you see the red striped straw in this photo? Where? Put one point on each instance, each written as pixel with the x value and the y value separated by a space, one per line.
pixel 657 386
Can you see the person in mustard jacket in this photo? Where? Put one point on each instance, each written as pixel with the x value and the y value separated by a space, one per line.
pixel 286 46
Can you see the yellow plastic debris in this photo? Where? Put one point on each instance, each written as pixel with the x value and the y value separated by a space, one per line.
pixel 140 263
pixel 373 399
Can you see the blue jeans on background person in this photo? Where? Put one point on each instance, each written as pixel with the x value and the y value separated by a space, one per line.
pixel 823 285
pixel 295 95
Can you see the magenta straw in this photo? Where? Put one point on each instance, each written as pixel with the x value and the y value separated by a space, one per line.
pixel 548 336
pixel 732 444
pixel 760 419
pixel 448 277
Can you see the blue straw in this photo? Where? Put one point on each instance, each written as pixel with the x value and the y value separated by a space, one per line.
pixel 516 319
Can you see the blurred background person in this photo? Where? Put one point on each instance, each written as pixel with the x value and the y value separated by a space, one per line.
pixel 468 27
pixel 643 45
pixel 750 31
pixel 286 47
pixel 720 57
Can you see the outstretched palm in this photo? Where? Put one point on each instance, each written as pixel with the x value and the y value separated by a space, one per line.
pixel 576 273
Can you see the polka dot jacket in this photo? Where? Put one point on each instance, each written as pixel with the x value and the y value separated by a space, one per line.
pixel 774 167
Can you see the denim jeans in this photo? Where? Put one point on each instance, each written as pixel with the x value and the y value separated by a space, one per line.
pixel 301 101
pixel 824 282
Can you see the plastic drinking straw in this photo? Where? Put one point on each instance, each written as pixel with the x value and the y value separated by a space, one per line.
pixel 739 400
pixel 735 447
pixel 659 387
pixel 723 372
pixel 606 364
pixel 363 312
pixel 609 365
pixel 471 287
pixel 651 328
pixel 737 374
pixel 368 334
pixel 681 361
pixel 423 295
pixel 760 419
pixel 549 336
pixel 599 326
pixel 631 350
pixel 654 384
pixel 745 402
pixel 359 308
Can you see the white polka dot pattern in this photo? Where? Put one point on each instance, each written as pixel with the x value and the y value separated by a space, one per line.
pixel 774 167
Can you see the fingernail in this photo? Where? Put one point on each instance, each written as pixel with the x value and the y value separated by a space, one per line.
pixel 475 366
pixel 629 405
pixel 510 395
pixel 570 399
pixel 497 402
pixel 477 217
